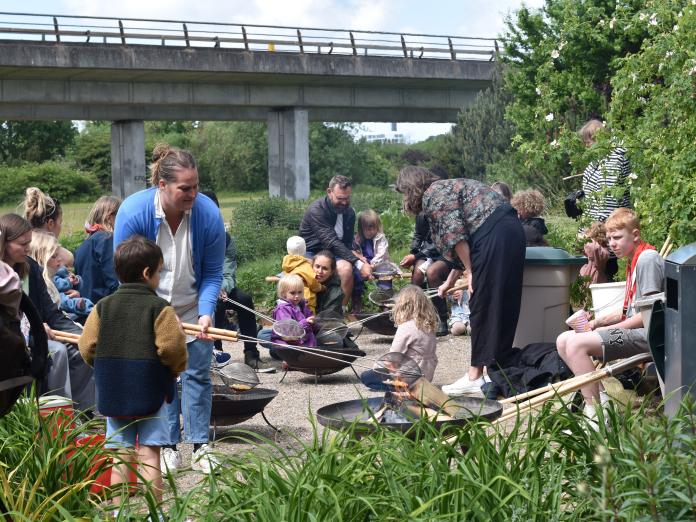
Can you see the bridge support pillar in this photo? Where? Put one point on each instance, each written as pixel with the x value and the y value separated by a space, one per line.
pixel 288 153
pixel 128 168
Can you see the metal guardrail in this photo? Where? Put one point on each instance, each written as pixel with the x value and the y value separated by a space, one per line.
pixel 249 37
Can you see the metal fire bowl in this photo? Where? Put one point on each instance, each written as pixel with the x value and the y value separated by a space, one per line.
pixel 382 325
pixel 232 408
pixel 312 364
pixel 361 412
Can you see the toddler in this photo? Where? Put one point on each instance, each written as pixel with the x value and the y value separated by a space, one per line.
pixel 459 316
pixel 46 251
pixel 296 263
pixel 597 252
pixel 372 247
pixel 530 204
pixel 133 340
pixel 291 305
pixel 416 320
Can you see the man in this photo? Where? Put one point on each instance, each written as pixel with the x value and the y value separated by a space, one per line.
pixel 616 335
pixel 328 224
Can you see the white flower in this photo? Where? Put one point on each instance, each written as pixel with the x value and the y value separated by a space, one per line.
pixel 555 54
pixel 634 77
pixel 675 28
pixel 554 144
pixel 692 71
pixel 669 53
pixel 633 175
pixel 612 22
pixel 600 23
pixel 653 19
pixel 549 116
pixel 561 45
pixel 642 16
pixel 538 91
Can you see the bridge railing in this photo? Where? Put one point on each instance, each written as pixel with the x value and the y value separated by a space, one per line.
pixel 250 37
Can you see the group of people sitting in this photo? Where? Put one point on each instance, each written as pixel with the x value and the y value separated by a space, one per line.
pixel 163 256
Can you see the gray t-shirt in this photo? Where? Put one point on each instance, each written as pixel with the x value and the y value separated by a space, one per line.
pixel 650 276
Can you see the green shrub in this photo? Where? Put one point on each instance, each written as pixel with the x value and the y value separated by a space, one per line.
pixel 56 178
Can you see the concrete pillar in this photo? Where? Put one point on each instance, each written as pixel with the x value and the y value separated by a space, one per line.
pixel 128 170
pixel 288 153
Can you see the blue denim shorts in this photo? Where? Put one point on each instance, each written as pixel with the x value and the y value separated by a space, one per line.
pixel 149 431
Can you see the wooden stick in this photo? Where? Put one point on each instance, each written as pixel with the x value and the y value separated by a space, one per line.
pixel 214 333
pixel 665 245
pixel 428 413
pixel 211 330
pixel 538 391
pixel 423 391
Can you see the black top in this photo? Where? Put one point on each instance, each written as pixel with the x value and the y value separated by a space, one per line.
pixel 317 229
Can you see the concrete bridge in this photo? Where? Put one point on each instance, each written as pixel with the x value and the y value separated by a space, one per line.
pixel 168 70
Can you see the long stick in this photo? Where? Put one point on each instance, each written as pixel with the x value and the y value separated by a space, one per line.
pixel 217 331
pixel 191 329
pixel 255 312
pixel 539 391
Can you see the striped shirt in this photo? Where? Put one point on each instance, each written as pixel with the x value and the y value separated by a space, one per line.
pixel 602 183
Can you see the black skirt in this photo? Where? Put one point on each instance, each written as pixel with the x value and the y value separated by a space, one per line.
pixel 497 261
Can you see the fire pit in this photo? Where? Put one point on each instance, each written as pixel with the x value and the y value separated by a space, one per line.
pixel 231 408
pixel 363 412
pixel 311 361
pixel 381 324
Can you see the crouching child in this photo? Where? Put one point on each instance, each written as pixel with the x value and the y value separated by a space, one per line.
pixel 134 341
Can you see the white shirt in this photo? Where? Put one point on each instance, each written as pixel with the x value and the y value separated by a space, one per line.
pixel 338 227
pixel 178 279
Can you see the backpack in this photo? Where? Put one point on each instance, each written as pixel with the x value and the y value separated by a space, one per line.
pixel 20 365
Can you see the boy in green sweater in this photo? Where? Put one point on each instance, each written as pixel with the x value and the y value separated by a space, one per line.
pixel 134 341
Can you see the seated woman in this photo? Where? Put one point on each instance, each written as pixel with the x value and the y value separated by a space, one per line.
pixel 68 375
pixel 94 258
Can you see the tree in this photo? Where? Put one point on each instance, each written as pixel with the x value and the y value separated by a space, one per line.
pixel 35 141
pixel 93 152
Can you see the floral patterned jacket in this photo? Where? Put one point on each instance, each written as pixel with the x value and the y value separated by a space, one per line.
pixel 456 209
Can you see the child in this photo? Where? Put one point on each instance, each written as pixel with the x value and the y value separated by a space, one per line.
pixel 459 317
pixel 296 263
pixel 372 247
pixel 530 204
pixel 134 341
pixel 416 320
pixel 291 305
pixel 46 251
pixel 616 335
pixel 597 252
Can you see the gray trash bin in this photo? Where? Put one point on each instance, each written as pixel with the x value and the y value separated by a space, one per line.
pixel 680 326
pixel 548 274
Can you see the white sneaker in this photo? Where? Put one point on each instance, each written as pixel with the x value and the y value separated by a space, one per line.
pixel 170 460
pixel 204 460
pixel 464 386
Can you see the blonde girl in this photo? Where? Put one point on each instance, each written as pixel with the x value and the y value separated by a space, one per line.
pixel 42 211
pixel 46 251
pixel 292 305
pixel 416 320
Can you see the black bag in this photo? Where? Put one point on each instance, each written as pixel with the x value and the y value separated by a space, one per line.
pixel 20 366
pixel 571 204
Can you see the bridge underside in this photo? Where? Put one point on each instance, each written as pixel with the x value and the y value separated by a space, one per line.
pixel 126 84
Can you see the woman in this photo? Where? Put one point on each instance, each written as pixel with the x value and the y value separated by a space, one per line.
pixel 472 222
pixel 68 375
pixel 429 265
pixel 599 183
pixel 330 300
pixel 42 211
pixel 94 258
pixel 188 228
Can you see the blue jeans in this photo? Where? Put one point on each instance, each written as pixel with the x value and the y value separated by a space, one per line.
pixel 265 335
pixel 374 381
pixel 196 396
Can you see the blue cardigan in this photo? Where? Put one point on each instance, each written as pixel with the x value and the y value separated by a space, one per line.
pixel 94 261
pixel 136 215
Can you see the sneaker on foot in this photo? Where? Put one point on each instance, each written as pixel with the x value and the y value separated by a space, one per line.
pixel 465 386
pixel 204 460
pixel 259 365
pixel 442 329
pixel 220 359
pixel 170 460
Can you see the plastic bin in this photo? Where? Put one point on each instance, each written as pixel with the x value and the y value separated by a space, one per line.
pixel 548 274
pixel 608 297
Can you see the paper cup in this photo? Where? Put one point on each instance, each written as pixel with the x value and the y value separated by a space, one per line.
pixel 578 321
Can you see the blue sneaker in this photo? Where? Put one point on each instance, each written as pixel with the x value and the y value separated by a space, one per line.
pixel 220 359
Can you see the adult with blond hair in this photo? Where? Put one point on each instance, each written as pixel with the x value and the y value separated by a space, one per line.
pixel 473 223
pixel 616 335
pixel 94 258
pixel 189 229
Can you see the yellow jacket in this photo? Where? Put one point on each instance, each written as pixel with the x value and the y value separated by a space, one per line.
pixel 300 265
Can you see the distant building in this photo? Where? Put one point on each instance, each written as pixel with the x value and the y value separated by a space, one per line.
pixel 385 137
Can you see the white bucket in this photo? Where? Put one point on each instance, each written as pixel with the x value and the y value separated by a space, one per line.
pixel 608 297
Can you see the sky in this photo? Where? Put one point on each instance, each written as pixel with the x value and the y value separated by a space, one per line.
pixel 483 18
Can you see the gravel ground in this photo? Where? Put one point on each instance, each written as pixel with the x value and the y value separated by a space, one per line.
pixel 300 397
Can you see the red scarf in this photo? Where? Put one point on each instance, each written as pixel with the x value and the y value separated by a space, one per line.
pixel 630 279
pixel 91 229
